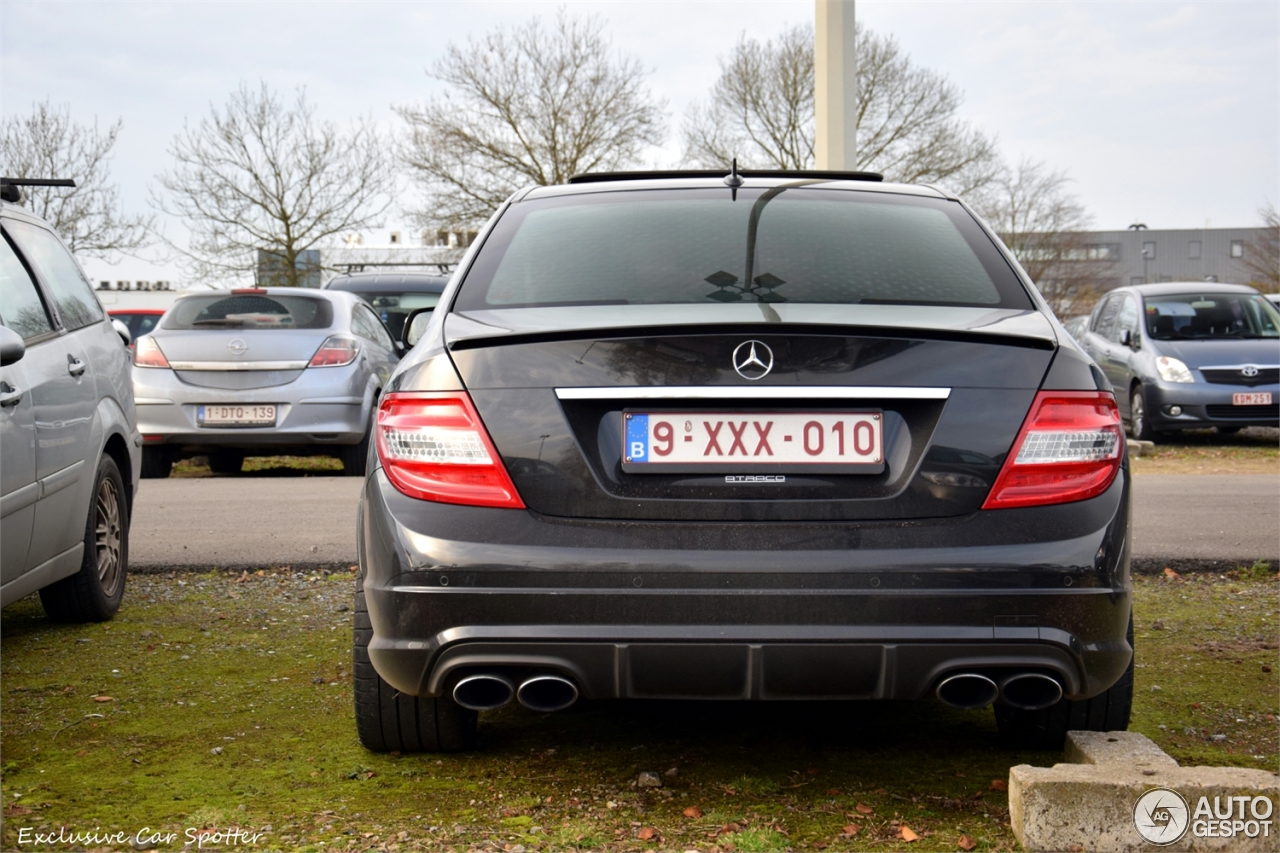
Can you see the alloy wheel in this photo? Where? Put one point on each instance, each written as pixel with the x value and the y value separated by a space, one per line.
pixel 109 536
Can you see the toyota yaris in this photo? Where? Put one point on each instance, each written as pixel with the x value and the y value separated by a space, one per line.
pixel 770 436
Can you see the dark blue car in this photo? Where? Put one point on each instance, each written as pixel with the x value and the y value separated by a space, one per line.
pixel 1189 356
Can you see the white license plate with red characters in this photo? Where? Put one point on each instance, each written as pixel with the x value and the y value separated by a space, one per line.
pixel 236 416
pixel 1260 398
pixel 760 441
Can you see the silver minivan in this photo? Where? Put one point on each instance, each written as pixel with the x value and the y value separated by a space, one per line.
pixel 70 450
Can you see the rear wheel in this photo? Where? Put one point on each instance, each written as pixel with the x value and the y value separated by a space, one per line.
pixel 94 593
pixel 226 462
pixel 355 457
pixel 1139 420
pixel 156 463
pixel 388 720
pixel 1047 728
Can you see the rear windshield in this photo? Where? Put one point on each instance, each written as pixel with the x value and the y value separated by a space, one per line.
pixel 1211 315
pixel 698 246
pixel 249 311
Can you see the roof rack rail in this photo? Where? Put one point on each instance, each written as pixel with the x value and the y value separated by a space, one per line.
pixel 445 267
pixel 9 186
pixel 799 174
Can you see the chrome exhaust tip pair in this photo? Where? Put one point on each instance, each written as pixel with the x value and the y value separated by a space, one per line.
pixel 490 691
pixel 1029 691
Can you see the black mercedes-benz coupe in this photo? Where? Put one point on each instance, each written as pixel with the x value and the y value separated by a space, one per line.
pixel 764 436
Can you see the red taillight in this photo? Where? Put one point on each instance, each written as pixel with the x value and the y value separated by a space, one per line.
pixel 434 448
pixel 336 351
pixel 1069 449
pixel 147 353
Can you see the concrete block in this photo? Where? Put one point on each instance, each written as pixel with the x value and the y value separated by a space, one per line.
pixel 1091 805
pixel 1129 748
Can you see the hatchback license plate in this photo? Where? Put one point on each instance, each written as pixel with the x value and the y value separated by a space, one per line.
pixel 763 441
pixel 1260 398
pixel 236 416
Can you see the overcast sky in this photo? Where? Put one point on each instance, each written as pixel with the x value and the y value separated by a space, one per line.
pixel 1164 113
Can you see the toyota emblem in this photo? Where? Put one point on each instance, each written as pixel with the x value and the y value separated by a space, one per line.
pixel 237 347
pixel 753 360
pixel 1249 370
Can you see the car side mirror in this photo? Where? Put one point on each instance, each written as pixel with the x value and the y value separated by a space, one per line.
pixel 11 346
pixel 1129 339
pixel 123 331
pixel 415 325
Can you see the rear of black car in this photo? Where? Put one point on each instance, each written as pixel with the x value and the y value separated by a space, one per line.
pixel 802 440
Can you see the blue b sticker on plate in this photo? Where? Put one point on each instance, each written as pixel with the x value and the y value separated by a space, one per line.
pixel 637 440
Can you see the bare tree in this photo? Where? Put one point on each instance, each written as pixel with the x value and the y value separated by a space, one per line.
pixel 1042 222
pixel 530 105
pixel 761 111
pixel 262 182
pixel 1262 253
pixel 49 144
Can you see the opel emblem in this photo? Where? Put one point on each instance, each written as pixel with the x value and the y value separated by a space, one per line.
pixel 1249 370
pixel 753 360
pixel 237 347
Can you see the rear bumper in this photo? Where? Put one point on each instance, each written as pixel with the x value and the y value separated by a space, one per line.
pixel 333 408
pixel 746 611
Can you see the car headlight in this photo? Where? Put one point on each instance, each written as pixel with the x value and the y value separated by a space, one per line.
pixel 1172 370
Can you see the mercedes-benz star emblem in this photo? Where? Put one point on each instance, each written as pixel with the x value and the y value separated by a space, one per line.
pixel 1249 370
pixel 753 360
pixel 237 347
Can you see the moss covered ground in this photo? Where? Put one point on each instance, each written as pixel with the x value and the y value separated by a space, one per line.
pixel 1250 451
pixel 216 701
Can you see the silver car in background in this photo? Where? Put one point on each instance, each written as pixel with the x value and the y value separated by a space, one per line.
pixel 261 372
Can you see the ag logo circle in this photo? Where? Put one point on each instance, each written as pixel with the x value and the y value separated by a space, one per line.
pixel 1161 816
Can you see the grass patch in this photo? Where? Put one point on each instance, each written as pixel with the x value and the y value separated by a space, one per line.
pixel 1251 451
pixel 262 466
pixel 230 705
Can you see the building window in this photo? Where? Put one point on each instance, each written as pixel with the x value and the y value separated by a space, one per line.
pixel 1149 251
pixel 395 238
pixel 1193 249
pixel 1237 248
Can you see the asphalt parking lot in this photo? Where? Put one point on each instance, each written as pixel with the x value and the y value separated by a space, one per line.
pixel 240 523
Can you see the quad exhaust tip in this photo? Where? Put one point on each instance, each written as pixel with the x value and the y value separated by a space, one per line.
pixel 1031 691
pixel 547 693
pixel 486 692
pixel 968 690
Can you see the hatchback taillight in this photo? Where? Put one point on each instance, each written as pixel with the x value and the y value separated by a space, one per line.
pixel 1069 449
pixel 147 353
pixel 336 351
pixel 434 448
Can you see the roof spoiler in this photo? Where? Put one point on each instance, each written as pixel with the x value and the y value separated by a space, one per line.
pixel 798 174
pixel 9 186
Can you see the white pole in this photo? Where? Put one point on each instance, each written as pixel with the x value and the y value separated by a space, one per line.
pixel 835 85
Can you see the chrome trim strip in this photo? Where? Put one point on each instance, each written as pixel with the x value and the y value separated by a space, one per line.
pixel 238 365
pixel 152 401
pixel 1237 366
pixel 767 392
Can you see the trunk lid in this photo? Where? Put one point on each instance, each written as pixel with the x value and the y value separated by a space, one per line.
pixel 952 386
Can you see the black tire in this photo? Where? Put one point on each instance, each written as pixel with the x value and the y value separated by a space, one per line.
pixel 355 457
pixel 1047 728
pixel 156 463
pixel 1139 422
pixel 94 593
pixel 226 462
pixel 390 721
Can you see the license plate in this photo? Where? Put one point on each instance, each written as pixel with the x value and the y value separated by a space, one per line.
pixel 234 416
pixel 673 442
pixel 1261 398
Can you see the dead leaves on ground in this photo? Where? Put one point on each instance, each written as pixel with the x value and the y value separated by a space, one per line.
pixel 999 785
pixel 693 812
pixel 966 842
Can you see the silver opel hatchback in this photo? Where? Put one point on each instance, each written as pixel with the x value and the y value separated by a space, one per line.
pixel 261 371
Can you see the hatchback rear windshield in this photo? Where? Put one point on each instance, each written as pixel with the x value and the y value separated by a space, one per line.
pixel 698 246
pixel 249 311
pixel 1211 315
